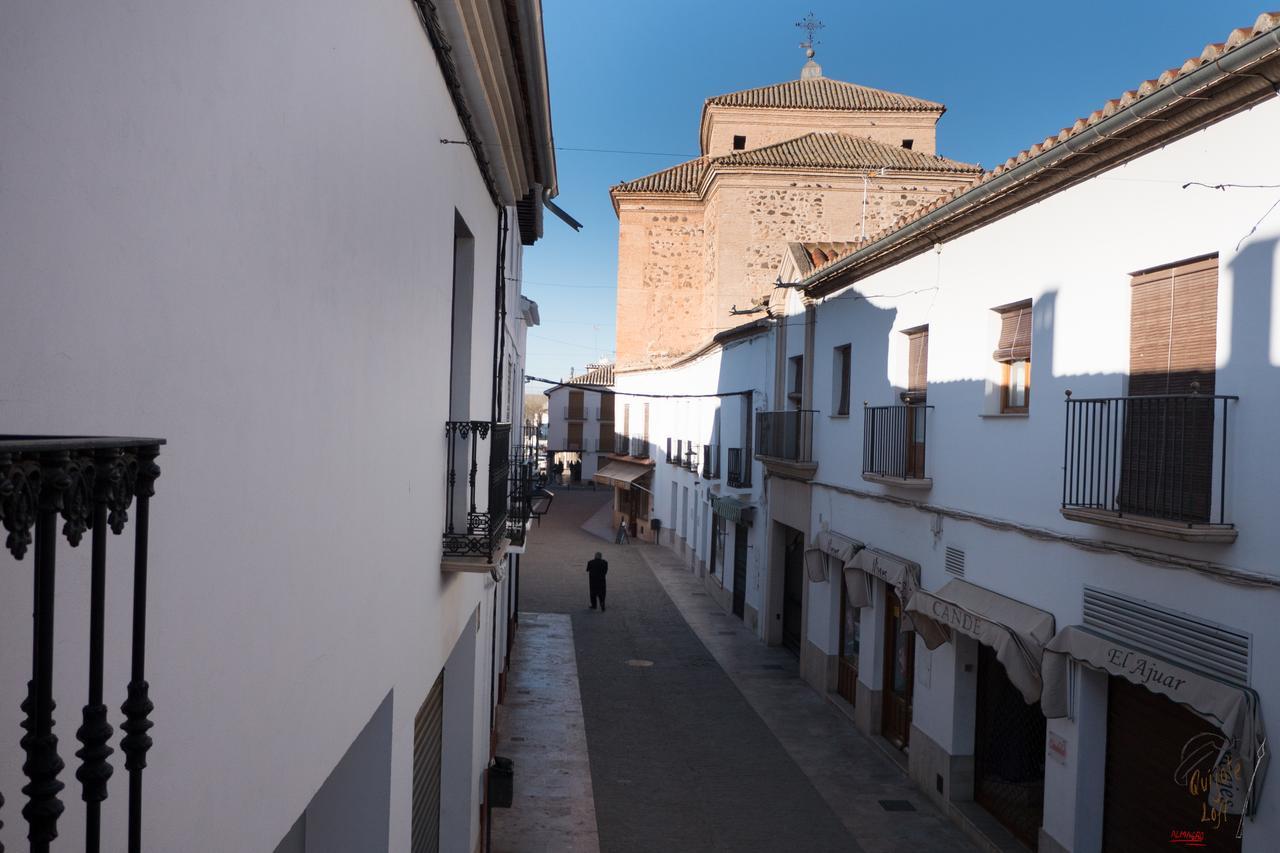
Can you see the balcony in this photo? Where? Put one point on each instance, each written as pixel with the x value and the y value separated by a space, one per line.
pixel 711 462
pixel 478 469
pixel 529 499
pixel 77 486
pixel 608 441
pixel 893 445
pixel 690 459
pixel 576 413
pixel 738 469
pixel 786 442
pixel 579 444
pixel 1147 464
pixel 640 448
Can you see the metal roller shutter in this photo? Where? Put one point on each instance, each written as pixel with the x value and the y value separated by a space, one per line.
pixel 427 740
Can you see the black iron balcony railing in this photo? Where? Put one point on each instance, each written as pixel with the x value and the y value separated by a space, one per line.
pixel 711 462
pixel 608 441
pixel 478 468
pixel 524 486
pixel 576 413
pixel 690 460
pixel 738 469
pixel 894 440
pixel 640 447
pixel 579 445
pixel 1147 456
pixel 670 456
pixel 90 483
pixel 785 435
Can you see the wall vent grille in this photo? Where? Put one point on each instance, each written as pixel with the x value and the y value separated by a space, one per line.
pixel 955 561
pixel 1177 637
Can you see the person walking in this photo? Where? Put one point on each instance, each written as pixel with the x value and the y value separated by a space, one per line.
pixel 622 538
pixel 597 569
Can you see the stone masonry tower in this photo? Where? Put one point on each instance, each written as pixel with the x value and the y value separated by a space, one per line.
pixel 813 160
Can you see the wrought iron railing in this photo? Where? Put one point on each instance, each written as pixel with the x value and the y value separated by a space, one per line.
pixel 690 460
pixel 524 480
pixel 785 435
pixel 476 502
pixel 670 454
pixel 711 462
pixel 585 444
pixel 1147 456
pixel 576 413
pixel 608 441
pixel 640 447
pixel 738 469
pixel 91 484
pixel 894 439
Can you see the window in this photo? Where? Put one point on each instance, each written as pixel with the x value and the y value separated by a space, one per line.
pixel 795 382
pixel 739 143
pixel 907 143
pixel 840 380
pixel 917 364
pixel 1013 351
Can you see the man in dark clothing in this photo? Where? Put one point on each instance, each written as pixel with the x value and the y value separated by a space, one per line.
pixel 597 569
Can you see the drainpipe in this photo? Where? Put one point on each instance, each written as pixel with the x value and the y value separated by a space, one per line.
pixel 500 316
pixel 1207 75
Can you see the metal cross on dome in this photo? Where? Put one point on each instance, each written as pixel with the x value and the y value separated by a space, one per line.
pixel 810 24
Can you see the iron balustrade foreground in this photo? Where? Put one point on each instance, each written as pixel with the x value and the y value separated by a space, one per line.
pixel 894 439
pixel 476 521
pixel 738 475
pixel 786 435
pixel 621 444
pixel 524 477
pixel 90 483
pixel 711 462
pixel 1150 456
pixel 640 448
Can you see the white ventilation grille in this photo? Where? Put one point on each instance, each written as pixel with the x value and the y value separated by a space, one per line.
pixel 955 561
pixel 1177 637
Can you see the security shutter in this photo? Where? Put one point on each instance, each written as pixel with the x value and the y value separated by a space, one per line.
pixel 1179 638
pixel 1173 334
pixel 427 735
pixel 917 360
pixel 1015 332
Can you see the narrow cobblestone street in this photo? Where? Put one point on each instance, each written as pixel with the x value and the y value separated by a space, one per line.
pixel 700 738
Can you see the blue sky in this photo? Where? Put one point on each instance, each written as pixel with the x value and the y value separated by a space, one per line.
pixel 633 76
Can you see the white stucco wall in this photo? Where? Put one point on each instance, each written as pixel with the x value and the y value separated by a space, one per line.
pixel 1072 254
pixel 231 225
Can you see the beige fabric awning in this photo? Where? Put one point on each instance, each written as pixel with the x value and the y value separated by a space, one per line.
pixel 1235 710
pixel 827 546
pixel 903 575
pixel 622 474
pixel 1017 632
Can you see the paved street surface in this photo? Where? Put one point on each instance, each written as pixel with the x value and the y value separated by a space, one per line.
pixel 700 738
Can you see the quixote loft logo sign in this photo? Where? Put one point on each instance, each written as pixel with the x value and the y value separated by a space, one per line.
pixel 1211 774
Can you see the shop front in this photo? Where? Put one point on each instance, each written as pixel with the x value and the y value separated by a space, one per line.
pixel 632 484
pixel 1186 753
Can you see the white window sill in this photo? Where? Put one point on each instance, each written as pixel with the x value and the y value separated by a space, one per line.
pixel 1005 415
pixel 843 417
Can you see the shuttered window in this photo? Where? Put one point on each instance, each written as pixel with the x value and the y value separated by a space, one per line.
pixel 575 436
pixel 917 360
pixel 1173 328
pixel 1015 332
pixel 428 728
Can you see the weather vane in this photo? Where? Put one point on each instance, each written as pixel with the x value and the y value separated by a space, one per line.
pixel 810 25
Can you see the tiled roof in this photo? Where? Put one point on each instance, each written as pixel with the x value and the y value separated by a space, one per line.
pixel 811 151
pixel 842 151
pixel 683 178
pixel 824 252
pixel 600 374
pixel 821 93
pixel 1265 23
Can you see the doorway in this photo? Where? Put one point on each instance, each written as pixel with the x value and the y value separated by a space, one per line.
pixel 850 645
pixel 899 673
pixel 792 589
pixel 1009 751
pixel 739 570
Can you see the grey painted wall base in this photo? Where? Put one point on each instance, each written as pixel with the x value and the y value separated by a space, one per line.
pixel 816 667
pixel 868 709
pixel 1049 844
pixel 752 617
pixel 928 761
pixel 718 593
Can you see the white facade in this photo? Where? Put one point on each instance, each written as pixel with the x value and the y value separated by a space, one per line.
pixel 579 426
pixel 1072 255
pixel 235 227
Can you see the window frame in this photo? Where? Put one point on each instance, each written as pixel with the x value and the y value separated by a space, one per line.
pixel 841 391
pixel 1006 362
pixel 1006 407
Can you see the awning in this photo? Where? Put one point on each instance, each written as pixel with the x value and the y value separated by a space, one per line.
pixel 622 474
pixel 827 546
pixel 1235 710
pixel 1017 632
pixel 901 574
pixel 732 509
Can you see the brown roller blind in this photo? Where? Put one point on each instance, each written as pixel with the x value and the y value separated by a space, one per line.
pixel 918 359
pixel 1015 333
pixel 1173 328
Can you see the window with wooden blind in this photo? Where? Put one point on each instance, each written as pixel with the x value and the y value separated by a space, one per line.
pixel 917 363
pixel 840 376
pixel 1013 352
pixel 575 436
pixel 428 732
pixel 1172 351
